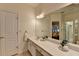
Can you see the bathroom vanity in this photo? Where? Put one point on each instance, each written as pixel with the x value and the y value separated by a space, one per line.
pixel 62 25
pixel 35 49
pixel 48 48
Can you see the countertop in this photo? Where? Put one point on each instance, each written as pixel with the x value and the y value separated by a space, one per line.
pixel 52 48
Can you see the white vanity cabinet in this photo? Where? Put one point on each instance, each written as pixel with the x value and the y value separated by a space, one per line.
pixel 31 48
pixel 47 48
pixel 35 50
pixel 42 51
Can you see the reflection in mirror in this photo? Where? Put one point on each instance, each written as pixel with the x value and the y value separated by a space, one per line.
pixel 55 30
pixel 70 23
pixel 64 22
pixel 42 27
pixel 69 31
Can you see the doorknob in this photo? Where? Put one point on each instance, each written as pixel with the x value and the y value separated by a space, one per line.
pixel 1 37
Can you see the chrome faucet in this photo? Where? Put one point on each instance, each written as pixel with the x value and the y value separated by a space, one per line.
pixel 64 42
pixel 44 38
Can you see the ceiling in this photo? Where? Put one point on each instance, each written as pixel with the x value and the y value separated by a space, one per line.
pixel 33 4
pixel 44 7
pixel 49 7
pixel 70 8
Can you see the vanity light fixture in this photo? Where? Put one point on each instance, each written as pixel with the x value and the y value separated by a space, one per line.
pixel 40 16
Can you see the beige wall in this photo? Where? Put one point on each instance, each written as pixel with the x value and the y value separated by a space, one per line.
pixel 26 19
pixel 71 15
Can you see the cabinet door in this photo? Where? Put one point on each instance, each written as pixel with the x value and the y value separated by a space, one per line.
pixel 29 45
pixel 31 48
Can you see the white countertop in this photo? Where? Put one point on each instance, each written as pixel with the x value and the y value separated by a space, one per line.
pixel 52 48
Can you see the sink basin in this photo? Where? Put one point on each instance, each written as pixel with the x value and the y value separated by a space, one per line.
pixel 41 39
pixel 64 49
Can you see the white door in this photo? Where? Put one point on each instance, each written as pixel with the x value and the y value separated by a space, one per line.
pixel 2 33
pixel 8 36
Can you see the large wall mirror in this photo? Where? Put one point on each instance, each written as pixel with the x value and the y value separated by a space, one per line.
pixel 71 23
pixel 62 24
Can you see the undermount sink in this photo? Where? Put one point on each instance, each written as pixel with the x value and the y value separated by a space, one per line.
pixel 41 39
pixel 64 49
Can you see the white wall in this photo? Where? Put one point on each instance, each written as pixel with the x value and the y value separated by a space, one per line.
pixel 26 22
